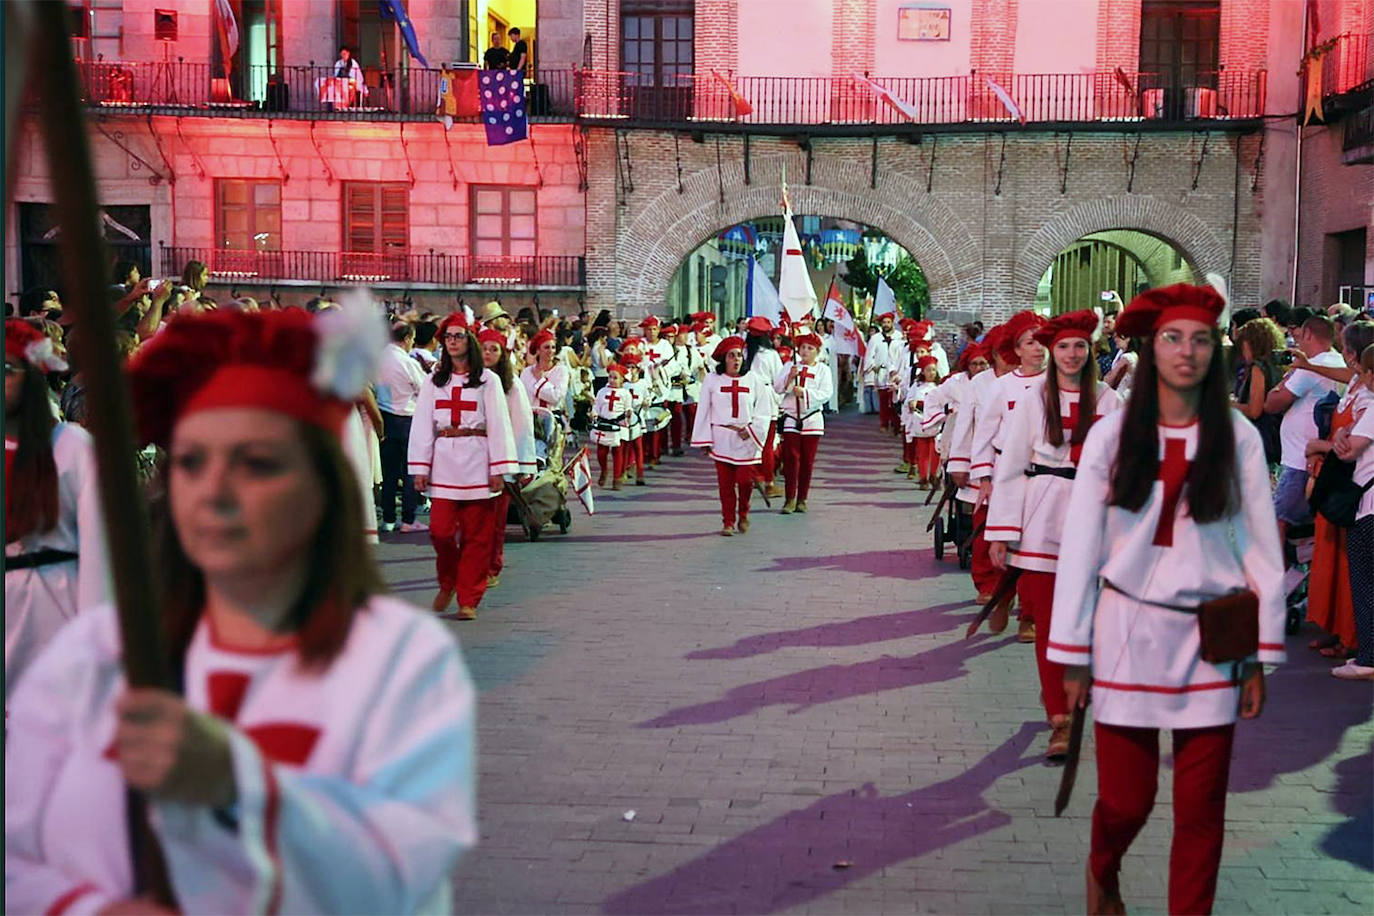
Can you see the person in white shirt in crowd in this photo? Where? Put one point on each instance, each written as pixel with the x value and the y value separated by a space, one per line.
pixel 1295 397
pixel 320 755
pixel 399 379
pixel 426 344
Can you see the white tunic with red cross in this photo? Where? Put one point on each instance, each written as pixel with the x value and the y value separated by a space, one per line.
pixel 1028 512
pixel 975 398
pixel 805 414
pixel 999 401
pixel 461 467
pixel 742 402
pixel 947 401
pixel 612 406
pixel 918 419
pixel 1147 670
pixel 548 391
pixel 354 783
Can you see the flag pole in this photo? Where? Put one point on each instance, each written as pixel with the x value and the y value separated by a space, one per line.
pixel 144 661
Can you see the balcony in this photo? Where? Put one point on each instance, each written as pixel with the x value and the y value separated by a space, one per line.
pixel 1357 139
pixel 846 105
pixel 1348 66
pixel 413 270
pixel 182 88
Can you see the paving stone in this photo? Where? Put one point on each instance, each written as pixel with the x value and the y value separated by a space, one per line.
pixel 801 695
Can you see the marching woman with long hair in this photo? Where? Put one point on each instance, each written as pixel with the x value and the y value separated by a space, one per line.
pixel 461 448
pixel 1041 444
pixel 732 424
pixel 318 756
pixel 805 388
pixel 1170 513
pixel 55 559
pixel 496 358
pixel 546 381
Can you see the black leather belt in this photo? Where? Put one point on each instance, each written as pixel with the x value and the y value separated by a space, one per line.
pixel 48 556
pixel 1041 470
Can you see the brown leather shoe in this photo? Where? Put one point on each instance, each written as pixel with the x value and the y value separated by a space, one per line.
pixel 442 600
pixel 1000 616
pixel 801 505
pixel 616 485
pixel 467 613
pixel 1025 631
pixel 743 524
pixel 788 507
pixel 493 581
pixel 773 490
pixel 1058 747
pixel 727 531
pixel 1099 902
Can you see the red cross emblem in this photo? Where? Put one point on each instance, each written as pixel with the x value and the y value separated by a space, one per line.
pixel 735 389
pixel 1173 471
pixel 455 406
pixel 611 400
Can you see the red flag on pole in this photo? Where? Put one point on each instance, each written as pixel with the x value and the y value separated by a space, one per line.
pixel 742 106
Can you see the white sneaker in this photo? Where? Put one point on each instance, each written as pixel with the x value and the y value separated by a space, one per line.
pixel 1353 672
pixel 386 527
pixel 411 527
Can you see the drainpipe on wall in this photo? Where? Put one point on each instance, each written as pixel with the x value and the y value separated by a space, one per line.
pixel 1297 176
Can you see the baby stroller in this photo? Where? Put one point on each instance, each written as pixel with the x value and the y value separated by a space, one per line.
pixel 544 499
pixel 952 524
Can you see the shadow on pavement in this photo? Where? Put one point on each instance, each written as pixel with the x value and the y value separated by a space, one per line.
pixel 814 686
pixel 791 861
pixel 894 564
pixel 922 622
pixel 1353 841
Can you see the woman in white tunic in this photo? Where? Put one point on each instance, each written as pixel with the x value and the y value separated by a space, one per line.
pixel 1030 492
pixel 1170 508
pixel 320 757
pixel 461 448
pixel 546 382
pixel 732 423
pixel 55 559
pixel 805 388
pixel 495 358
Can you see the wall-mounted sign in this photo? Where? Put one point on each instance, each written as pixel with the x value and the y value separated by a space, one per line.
pixel 923 22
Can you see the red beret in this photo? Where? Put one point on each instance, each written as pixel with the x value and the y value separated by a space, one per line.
pixel 733 342
pixel 810 337
pixel 785 354
pixel 1017 325
pixel 630 358
pixel 1156 307
pixel 491 335
pixel 1080 324
pixel 229 358
pixel 617 369
pixel 758 325
pixel 971 352
pixel 454 320
pixel 538 340
pixel 25 342
pixel 650 322
pixel 926 361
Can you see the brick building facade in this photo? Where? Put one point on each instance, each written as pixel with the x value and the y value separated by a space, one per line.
pixel 638 154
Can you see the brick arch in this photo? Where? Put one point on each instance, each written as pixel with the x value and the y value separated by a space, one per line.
pixel 1201 247
pixel 655 237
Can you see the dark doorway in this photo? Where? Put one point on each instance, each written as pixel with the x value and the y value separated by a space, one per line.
pixel 1180 44
pixel 656 54
pixel 126 230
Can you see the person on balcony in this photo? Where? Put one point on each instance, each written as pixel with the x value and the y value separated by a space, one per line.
pixel 496 57
pixel 519 52
pixel 344 87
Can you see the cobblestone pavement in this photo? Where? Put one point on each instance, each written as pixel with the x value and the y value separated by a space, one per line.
pixel 798 725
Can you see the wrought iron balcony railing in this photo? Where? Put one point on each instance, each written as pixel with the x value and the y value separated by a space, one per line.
pixel 337 268
pixel 179 87
pixel 610 96
pixel 1348 66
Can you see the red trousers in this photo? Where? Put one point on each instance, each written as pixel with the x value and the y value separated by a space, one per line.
pixel 1127 778
pixel 909 451
pixel 767 469
pixel 689 416
pixel 798 460
pixel 985 575
pixel 498 541
pixel 1036 591
pixel 635 454
pixel 617 456
pixel 887 412
pixel 736 481
pixel 651 443
pixel 462 565
pixel 926 458
pixel 675 426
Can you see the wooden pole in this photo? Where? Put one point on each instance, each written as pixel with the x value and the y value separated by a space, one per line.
pixel 63 124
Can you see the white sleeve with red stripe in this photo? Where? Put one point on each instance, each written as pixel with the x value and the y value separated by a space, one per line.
pixel 989 419
pixel 1257 540
pixel 702 430
pixel 502 457
pixel 384 841
pixel 761 412
pixel 1081 556
pixel 420 451
pixel 1007 506
pixel 961 435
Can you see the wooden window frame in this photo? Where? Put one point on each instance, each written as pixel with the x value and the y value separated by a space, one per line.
pixel 252 183
pixel 505 190
pixel 378 230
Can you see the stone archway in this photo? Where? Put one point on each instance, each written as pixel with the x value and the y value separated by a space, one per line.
pixel 1199 245
pixel 652 243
